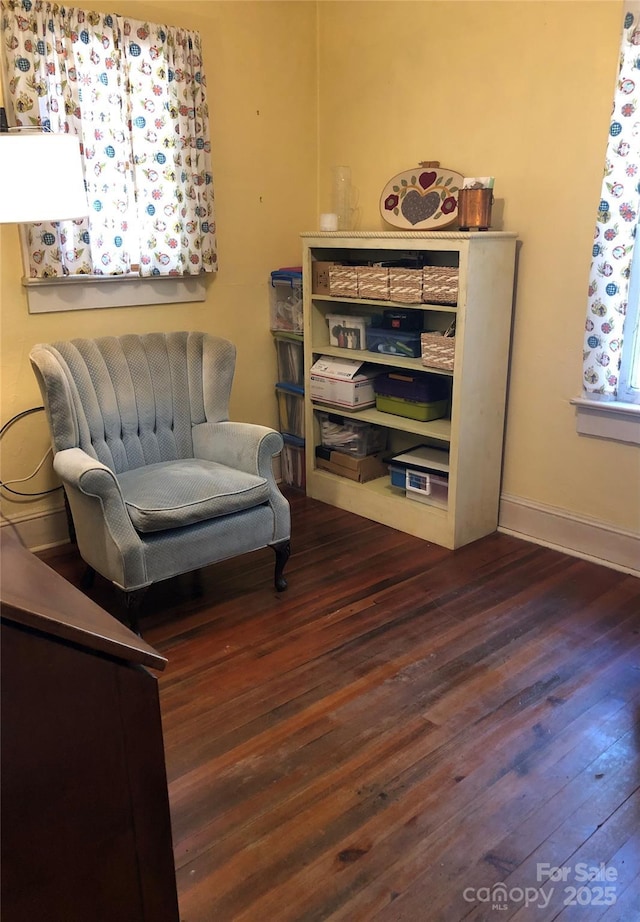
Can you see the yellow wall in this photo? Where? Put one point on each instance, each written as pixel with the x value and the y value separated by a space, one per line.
pixel 518 90
pixel 521 91
pixel 261 76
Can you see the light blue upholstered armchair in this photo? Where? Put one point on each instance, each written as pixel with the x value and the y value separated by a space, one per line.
pixel 158 480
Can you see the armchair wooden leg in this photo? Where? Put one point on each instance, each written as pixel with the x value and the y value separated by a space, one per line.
pixel 86 581
pixel 132 605
pixel 70 526
pixel 282 550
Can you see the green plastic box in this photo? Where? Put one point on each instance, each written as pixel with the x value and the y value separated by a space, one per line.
pixel 412 409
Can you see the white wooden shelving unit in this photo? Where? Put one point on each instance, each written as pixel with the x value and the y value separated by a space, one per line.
pixel 473 432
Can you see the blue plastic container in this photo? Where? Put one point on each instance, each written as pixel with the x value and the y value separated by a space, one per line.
pixel 394 342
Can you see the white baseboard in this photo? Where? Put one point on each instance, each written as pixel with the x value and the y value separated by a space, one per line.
pixel 570 533
pixel 38 532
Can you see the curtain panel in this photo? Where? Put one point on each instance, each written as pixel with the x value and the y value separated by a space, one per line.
pixel 135 94
pixel 617 219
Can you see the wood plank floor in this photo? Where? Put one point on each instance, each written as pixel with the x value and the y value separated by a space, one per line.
pixel 401 731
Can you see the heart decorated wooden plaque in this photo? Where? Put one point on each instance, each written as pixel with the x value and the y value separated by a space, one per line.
pixel 425 198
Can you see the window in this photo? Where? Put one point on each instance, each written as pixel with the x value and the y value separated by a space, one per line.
pixel 135 94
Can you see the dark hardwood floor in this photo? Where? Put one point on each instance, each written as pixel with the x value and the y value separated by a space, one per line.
pixel 401 731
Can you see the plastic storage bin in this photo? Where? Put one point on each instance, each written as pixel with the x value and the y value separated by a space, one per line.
pixel 398 319
pixel 394 342
pixel 423 473
pixel 286 300
pixel 351 436
pixel 415 395
pixel 423 486
pixel 293 462
pixel 290 355
pixel 291 409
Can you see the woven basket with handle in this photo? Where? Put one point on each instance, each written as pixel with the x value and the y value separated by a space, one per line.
pixel 438 351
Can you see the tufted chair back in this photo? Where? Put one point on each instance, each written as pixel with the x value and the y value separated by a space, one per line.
pixel 132 400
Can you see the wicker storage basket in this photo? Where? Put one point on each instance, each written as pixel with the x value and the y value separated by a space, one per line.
pixel 373 282
pixel 343 281
pixel 438 350
pixel 405 285
pixel 440 284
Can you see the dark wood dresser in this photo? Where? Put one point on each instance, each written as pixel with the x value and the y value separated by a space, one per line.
pixel 86 833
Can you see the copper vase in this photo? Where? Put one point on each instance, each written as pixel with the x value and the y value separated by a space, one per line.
pixel 474 208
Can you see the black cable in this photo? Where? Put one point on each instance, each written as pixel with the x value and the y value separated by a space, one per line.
pixel 3 429
pixel 14 419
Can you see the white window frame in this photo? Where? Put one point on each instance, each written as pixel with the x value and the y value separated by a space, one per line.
pixel 608 419
pixel 91 292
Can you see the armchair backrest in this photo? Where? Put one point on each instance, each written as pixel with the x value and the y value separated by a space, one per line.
pixel 132 400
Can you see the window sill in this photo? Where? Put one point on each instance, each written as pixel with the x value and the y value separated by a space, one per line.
pixel 81 293
pixel 608 420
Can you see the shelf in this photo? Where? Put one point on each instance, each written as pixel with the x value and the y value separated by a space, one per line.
pixel 384 503
pixel 439 429
pixel 379 358
pixel 404 238
pixel 396 305
pixel 382 487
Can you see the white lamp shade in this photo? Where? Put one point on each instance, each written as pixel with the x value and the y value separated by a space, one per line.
pixel 40 177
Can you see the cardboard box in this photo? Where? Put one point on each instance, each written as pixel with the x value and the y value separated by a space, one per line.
pixel 343 382
pixel 361 470
pixel 320 276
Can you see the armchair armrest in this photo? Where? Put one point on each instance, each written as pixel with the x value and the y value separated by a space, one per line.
pixel 103 526
pixel 243 446
pixel 78 469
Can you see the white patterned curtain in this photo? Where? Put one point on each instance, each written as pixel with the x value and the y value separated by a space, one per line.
pixel 135 94
pixel 617 220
